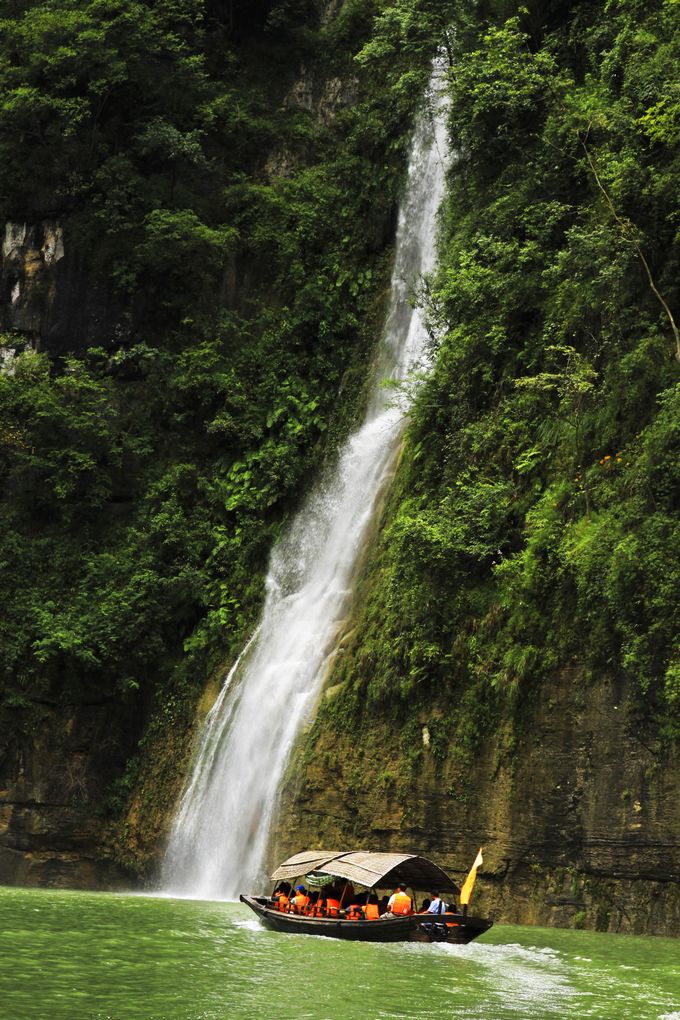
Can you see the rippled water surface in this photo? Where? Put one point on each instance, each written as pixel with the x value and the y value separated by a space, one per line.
pixel 81 956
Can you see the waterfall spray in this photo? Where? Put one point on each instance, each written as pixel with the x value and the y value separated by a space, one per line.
pixel 220 834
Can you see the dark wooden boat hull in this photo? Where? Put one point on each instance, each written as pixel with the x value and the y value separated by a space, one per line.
pixel 451 928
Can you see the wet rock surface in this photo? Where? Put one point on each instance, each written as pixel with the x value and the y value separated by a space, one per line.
pixel 54 784
pixel 580 824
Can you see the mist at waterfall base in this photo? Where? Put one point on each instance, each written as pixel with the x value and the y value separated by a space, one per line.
pixel 220 834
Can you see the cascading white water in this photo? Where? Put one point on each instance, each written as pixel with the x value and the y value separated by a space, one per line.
pixel 221 831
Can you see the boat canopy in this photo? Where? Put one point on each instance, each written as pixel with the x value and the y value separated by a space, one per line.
pixel 369 869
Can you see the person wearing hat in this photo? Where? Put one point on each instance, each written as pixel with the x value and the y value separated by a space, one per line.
pixel 300 900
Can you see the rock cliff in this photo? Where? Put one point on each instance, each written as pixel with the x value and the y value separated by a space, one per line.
pixel 48 295
pixel 54 782
pixel 579 820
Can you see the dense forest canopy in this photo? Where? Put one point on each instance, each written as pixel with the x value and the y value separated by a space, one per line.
pixel 228 172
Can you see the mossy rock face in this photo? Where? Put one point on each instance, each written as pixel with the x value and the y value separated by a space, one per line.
pixel 603 916
pixel 54 790
pixel 549 815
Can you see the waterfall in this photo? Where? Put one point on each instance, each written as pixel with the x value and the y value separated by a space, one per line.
pixel 220 834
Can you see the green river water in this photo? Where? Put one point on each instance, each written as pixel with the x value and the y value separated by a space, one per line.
pixel 90 956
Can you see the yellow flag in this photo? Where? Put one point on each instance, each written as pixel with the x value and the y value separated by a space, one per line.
pixel 466 891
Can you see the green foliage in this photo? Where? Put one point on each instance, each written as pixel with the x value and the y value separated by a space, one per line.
pixel 80 79
pixel 246 233
pixel 533 530
pixel 243 218
pixel 498 90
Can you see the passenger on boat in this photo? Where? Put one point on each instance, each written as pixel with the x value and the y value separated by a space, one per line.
pixel 332 902
pixel 399 903
pixel 300 900
pixel 383 904
pixel 372 909
pixel 354 911
pixel 281 896
pixel 437 905
pixel 311 908
pixel 424 906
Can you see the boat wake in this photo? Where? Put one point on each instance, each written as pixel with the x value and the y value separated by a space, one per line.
pixel 250 924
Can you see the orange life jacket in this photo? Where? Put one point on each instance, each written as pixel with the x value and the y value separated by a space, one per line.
pixel 401 904
pixel 332 907
pixel 281 902
pixel 372 911
pixel 299 902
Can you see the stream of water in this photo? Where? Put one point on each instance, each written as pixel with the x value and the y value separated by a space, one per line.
pixel 220 834
pixel 89 956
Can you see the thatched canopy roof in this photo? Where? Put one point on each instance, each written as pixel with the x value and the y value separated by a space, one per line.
pixel 369 869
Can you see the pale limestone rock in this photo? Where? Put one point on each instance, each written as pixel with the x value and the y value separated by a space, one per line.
pixel 30 253
pixel 53 245
pixel 8 357
pixel 15 236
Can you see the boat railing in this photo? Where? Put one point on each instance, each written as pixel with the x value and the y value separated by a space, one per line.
pixel 448 918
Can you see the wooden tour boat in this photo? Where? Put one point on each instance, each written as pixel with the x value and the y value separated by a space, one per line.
pixel 373 871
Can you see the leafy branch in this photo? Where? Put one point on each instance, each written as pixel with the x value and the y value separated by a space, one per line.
pixel 628 231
